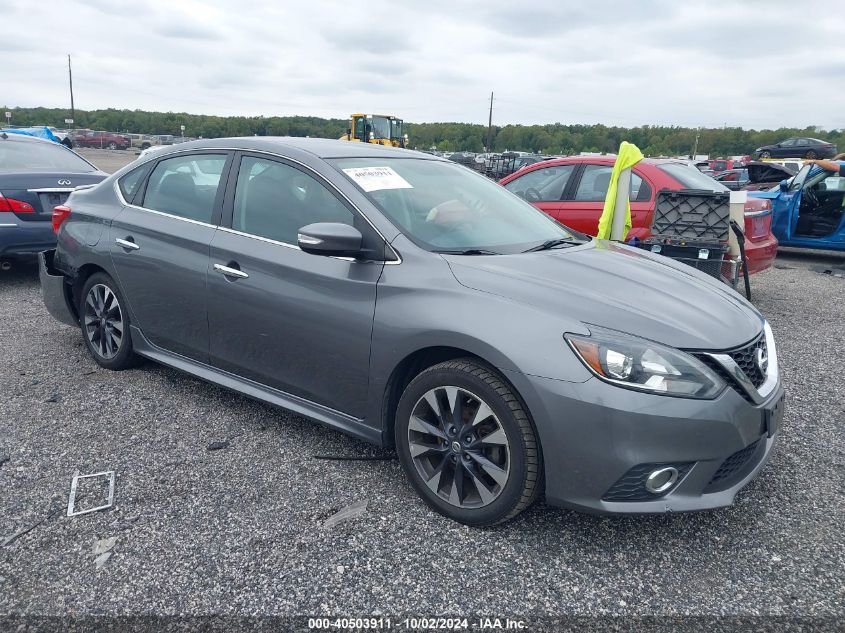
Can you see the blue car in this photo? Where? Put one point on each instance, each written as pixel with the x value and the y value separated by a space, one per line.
pixel 807 210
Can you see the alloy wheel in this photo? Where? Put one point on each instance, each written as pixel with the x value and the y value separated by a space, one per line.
pixel 103 321
pixel 459 447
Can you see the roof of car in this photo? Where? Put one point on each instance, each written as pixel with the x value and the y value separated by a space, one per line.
pixel 320 147
pixel 609 160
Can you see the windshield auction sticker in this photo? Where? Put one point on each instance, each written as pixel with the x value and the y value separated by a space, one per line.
pixel 377 178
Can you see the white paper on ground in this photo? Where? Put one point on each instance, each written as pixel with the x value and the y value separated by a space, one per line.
pixel 376 178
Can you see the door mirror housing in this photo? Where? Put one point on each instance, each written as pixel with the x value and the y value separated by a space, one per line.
pixel 784 185
pixel 331 239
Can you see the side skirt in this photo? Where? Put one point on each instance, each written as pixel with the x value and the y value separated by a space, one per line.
pixel 324 415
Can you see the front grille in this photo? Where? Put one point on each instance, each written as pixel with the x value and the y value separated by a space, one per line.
pixel 732 469
pixel 746 359
pixel 631 486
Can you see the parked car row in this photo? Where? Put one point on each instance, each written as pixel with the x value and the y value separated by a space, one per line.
pixel 572 190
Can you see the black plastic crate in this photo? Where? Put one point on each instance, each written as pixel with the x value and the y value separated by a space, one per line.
pixel 708 257
pixel 692 214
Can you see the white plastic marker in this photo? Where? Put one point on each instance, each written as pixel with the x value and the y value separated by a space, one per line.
pixel 376 178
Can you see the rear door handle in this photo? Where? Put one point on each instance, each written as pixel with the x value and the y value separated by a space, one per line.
pixel 230 272
pixel 127 244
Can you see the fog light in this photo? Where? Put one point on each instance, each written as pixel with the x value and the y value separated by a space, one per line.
pixel 661 480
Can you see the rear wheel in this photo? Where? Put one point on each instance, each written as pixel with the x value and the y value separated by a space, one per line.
pixel 467 445
pixel 765 154
pixel 112 145
pixel 105 323
pixel 811 155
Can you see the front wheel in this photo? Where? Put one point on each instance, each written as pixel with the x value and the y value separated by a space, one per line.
pixel 811 155
pixel 467 445
pixel 112 145
pixel 105 323
pixel 765 154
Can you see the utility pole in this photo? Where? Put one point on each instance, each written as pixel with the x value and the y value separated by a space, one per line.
pixel 695 146
pixel 70 81
pixel 490 126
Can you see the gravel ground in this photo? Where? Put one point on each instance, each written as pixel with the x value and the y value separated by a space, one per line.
pixel 239 530
pixel 107 159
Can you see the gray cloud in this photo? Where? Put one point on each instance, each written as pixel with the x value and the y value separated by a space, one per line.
pixel 756 63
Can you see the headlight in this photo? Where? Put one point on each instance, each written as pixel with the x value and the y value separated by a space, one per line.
pixel 639 364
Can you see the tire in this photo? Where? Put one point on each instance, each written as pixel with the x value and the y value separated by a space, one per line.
pixel 497 454
pixel 811 155
pixel 112 145
pixel 765 155
pixel 145 146
pixel 115 351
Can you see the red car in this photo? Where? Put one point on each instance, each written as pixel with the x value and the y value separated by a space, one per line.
pixel 103 140
pixel 572 190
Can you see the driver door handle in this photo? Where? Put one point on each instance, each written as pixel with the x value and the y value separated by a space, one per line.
pixel 127 244
pixel 230 272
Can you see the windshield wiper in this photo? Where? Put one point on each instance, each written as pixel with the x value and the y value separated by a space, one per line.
pixel 558 241
pixel 468 251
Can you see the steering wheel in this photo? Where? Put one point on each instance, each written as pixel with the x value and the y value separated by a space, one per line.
pixel 532 195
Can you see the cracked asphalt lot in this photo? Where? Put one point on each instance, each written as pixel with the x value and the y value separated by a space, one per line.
pixel 238 530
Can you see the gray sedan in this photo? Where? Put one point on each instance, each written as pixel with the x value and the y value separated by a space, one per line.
pixel 408 301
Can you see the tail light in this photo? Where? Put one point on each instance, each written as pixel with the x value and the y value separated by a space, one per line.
pixel 758 221
pixel 15 206
pixel 60 214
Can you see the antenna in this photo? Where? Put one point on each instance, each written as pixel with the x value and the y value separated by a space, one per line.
pixel 490 126
pixel 70 81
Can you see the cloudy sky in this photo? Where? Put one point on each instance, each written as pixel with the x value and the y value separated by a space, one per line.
pixel 750 63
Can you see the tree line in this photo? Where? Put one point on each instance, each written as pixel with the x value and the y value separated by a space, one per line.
pixel 556 138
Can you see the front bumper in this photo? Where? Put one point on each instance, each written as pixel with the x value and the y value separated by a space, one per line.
pixel 26 238
pixel 595 437
pixel 55 291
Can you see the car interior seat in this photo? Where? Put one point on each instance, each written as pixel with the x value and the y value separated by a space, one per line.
pixel 177 194
pixel 600 185
pixel 271 210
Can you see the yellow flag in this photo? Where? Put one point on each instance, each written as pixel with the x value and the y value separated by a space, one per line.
pixel 629 155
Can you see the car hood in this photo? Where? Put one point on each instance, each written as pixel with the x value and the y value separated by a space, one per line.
pixel 767 172
pixel 621 288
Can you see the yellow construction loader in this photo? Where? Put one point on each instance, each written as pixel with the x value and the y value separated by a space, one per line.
pixel 380 129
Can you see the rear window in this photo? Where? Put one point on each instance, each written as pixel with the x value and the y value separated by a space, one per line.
pixel 691 178
pixel 40 156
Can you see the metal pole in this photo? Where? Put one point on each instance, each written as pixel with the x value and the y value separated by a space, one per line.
pixel 617 227
pixel 70 81
pixel 490 126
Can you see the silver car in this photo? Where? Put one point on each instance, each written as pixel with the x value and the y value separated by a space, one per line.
pixel 408 301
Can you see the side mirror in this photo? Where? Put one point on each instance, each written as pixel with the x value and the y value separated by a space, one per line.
pixel 330 238
pixel 784 185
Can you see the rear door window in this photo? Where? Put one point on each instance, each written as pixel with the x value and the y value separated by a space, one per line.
pixel 186 186
pixel 130 183
pixel 542 185
pixel 595 180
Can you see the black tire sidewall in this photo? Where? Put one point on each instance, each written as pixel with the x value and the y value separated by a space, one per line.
pixel 125 356
pixel 510 497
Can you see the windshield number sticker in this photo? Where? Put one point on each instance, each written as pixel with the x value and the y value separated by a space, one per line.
pixel 377 178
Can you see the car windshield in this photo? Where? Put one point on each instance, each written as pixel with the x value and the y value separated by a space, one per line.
pixel 40 156
pixel 798 180
pixel 442 206
pixel 692 178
